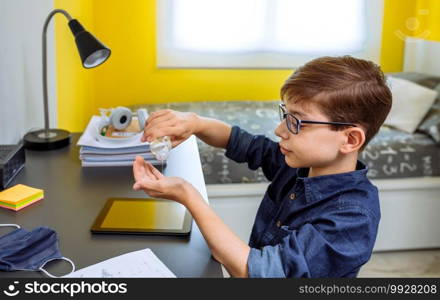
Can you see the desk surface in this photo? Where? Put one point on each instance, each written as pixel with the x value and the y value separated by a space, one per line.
pixel 75 195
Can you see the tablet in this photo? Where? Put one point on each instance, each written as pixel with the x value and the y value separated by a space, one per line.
pixel 143 216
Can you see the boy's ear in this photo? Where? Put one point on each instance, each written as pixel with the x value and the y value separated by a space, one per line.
pixel 354 139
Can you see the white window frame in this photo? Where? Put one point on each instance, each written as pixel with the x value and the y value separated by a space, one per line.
pixel 168 56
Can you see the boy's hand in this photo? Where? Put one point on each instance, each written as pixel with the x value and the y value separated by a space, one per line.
pixel 177 125
pixel 155 184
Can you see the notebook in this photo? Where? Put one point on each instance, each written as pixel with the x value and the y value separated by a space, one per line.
pixel 20 196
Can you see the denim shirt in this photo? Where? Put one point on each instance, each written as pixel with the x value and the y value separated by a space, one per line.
pixel 323 226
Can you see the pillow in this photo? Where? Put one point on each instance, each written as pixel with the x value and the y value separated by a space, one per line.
pixel 431 124
pixel 411 102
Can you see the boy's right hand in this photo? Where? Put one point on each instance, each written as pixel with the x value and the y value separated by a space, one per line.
pixel 177 125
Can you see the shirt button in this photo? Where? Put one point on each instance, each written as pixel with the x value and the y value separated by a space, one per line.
pixel 278 223
pixel 292 196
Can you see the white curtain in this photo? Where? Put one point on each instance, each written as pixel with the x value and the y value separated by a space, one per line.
pixel 21 92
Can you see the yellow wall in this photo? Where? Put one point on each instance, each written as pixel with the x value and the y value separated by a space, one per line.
pixel 417 18
pixel 396 12
pixel 428 12
pixel 131 77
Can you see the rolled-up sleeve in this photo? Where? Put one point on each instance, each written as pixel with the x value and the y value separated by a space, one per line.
pixel 316 250
pixel 266 262
pixel 256 150
pixel 282 260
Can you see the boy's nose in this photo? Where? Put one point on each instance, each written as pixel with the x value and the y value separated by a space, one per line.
pixel 282 131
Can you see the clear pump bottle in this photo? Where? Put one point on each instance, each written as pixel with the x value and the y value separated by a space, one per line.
pixel 161 148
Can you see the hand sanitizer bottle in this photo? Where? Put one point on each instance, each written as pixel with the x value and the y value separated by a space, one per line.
pixel 161 148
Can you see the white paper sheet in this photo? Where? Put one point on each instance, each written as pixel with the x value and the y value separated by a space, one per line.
pixel 142 263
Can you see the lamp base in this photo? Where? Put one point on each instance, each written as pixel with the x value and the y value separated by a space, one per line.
pixel 41 140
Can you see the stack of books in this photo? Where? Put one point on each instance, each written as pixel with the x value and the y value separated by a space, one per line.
pixel 101 157
pixel 20 196
pixel 101 149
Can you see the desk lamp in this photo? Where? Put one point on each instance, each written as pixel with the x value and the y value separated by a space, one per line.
pixel 92 53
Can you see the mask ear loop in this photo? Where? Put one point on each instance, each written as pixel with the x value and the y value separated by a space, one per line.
pixel 10 225
pixel 62 258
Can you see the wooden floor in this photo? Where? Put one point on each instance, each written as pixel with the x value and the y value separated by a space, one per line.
pixel 420 263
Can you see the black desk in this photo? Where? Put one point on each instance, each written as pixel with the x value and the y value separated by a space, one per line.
pixel 74 196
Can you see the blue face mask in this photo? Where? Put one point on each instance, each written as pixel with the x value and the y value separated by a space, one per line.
pixel 22 250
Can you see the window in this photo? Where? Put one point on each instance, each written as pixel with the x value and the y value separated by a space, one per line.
pixel 265 33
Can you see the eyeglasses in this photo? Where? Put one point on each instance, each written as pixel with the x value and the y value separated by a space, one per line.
pixel 294 124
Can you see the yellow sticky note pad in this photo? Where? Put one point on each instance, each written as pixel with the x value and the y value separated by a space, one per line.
pixel 20 196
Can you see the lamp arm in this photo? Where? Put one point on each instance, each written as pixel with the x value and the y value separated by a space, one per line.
pixel 45 97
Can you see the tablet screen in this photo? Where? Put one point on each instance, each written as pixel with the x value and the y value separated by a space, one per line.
pixel 142 215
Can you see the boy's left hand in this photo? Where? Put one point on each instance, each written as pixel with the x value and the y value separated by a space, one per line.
pixel 155 184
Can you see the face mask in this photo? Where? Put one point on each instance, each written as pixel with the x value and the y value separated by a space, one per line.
pixel 22 250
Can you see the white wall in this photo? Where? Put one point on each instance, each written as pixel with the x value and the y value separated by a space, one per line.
pixel 21 92
pixel 422 56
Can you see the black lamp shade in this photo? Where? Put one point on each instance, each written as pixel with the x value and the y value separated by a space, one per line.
pixel 91 51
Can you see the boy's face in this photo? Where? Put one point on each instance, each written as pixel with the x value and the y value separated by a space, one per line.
pixel 315 145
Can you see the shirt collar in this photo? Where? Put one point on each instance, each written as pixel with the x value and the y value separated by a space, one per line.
pixel 321 187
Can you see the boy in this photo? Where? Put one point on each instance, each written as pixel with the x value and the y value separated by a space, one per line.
pixel 320 214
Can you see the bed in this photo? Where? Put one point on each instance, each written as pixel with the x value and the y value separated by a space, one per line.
pixel 391 154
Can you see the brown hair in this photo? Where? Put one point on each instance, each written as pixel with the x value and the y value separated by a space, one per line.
pixel 345 89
